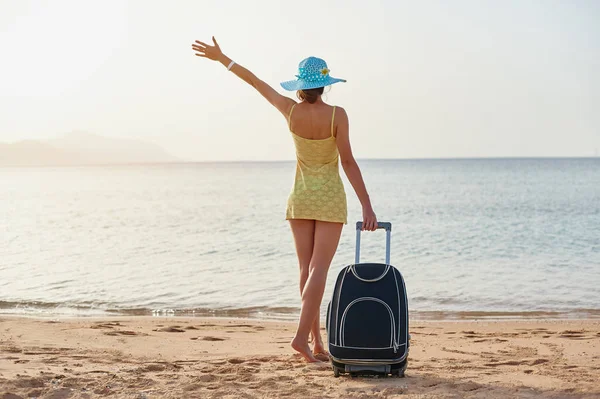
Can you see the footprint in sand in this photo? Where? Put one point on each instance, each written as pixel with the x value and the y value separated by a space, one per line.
pixel 207 378
pixel 318 366
pixel 208 338
pixel 574 334
pixel 108 325
pixel 540 331
pixel 538 361
pixel 263 359
pixel 11 349
pixel 217 362
pixel 250 326
pixel 469 387
pixel 254 364
pixel 171 329
pixel 122 332
pixel 506 363
pixel 534 362
pixel 152 368
pixel 227 369
pixel 471 334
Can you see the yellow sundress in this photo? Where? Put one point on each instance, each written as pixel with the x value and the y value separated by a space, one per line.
pixel 318 192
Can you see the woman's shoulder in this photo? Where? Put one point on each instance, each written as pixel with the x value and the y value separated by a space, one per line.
pixel 340 111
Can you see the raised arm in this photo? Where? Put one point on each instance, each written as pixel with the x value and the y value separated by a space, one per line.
pixel 352 170
pixel 282 103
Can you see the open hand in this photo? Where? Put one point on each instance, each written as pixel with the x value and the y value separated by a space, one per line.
pixel 206 51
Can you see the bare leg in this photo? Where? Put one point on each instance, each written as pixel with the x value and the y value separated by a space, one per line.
pixel 326 239
pixel 304 238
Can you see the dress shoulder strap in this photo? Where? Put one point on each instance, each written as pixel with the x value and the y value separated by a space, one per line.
pixel 290 116
pixel 332 119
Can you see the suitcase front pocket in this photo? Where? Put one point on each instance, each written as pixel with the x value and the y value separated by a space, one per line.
pixel 368 323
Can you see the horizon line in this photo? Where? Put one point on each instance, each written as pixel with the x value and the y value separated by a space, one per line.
pixel 412 159
pixel 179 162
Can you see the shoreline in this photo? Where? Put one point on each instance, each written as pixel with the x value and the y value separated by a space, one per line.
pixel 49 310
pixel 218 357
pixel 292 320
pixel 226 319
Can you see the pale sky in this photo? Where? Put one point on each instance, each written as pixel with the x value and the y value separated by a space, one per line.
pixel 426 79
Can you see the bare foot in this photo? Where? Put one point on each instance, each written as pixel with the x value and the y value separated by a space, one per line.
pixel 303 349
pixel 320 352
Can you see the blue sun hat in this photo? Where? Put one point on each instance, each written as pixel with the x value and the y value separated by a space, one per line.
pixel 312 73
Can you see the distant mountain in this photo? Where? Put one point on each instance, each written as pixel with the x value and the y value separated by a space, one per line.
pixel 80 148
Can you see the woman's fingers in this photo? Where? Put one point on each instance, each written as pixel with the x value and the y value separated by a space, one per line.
pixel 205 50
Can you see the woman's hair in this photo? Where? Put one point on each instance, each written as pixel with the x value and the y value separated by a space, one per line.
pixel 310 95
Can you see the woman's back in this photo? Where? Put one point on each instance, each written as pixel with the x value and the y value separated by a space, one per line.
pixel 312 121
pixel 313 133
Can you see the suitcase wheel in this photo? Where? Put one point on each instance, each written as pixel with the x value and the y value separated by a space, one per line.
pixel 400 372
pixel 336 372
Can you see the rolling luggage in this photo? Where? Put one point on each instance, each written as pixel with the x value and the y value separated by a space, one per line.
pixel 367 317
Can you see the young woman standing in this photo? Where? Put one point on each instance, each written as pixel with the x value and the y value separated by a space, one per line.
pixel 316 207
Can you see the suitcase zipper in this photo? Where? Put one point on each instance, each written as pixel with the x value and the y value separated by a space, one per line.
pixel 395 345
pixel 337 308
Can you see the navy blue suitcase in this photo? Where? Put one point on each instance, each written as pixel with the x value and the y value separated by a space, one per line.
pixel 367 317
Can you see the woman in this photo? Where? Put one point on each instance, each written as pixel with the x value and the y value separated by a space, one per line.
pixel 316 207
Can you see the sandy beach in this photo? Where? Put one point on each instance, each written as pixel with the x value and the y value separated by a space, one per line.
pixel 151 357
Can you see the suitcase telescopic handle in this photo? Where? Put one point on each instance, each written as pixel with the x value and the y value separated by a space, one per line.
pixel 388 235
